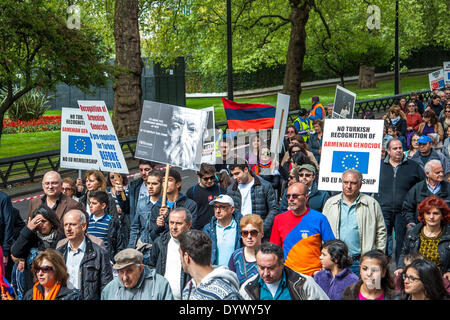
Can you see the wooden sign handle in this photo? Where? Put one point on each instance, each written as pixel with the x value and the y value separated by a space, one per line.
pixel 116 176
pixel 166 180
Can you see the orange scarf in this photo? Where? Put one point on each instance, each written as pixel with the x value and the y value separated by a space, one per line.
pixel 37 294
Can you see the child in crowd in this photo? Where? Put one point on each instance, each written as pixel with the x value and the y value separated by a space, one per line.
pixel 99 219
pixel 395 134
pixel 375 281
pixel 336 274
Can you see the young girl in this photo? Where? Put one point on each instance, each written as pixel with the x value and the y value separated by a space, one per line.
pixel 375 282
pixel 336 275
pixel 422 281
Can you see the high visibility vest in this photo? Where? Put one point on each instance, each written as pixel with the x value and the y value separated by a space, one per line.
pixel 318 105
pixel 303 125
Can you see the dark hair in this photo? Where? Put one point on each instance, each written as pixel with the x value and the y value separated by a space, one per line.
pixel 224 178
pixel 431 278
pixel 271 248
pixel 387 283
pixel 151 164
pixel 173 174
pixel 197 245
pixel 293 127
pixel 100 195
pixel 430 114
pixel 48 214
pixel 338 251
pixel 302 112
pixel 240 164
pixel 59 265
pixel 315 98
pixel 206 168
pixel 124 179
pixel 156 173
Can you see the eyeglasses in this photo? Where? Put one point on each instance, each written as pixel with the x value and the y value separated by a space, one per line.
pixel 293 196
pixel 208 178
pixel 294 152
pixel 265 153
pixel 44 269
pixel 306 175
pixel 410 278
pixel 220 207
pixel 253 233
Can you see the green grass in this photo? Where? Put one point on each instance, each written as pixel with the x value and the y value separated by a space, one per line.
pixel 24 143
pixel 326 94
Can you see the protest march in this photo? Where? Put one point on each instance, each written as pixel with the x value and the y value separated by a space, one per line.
pixel 330 208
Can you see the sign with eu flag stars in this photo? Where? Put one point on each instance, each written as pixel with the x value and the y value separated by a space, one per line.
pixel 80 145
pixel 351 144
pixel 77 149
pixel 344 160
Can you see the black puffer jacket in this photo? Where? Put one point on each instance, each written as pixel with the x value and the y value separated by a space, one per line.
pixel 95 268
pixel 412 243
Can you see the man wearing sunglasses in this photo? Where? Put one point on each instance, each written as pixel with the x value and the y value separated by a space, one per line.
pixel 316 198
pixel 203 192
pixel 300 232
pixel 223 230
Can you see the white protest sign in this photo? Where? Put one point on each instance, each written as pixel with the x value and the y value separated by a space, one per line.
pixel 344 103
pixel 447 72
pixel 436 79
pixel 103 136
pixel 279 126
pixel 351 144
pixel 77 150
pixel 171 135
pixel 209 138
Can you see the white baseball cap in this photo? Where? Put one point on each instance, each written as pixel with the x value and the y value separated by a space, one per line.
pixel 223 198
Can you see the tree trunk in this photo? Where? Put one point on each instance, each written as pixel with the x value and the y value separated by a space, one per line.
pixel 127 85
pixel 366 77
pixel 292 84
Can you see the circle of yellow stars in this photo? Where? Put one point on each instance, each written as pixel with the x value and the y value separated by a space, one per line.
pixel 348 156
pixel 76 145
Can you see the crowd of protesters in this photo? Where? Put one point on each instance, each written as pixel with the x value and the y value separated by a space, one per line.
pixel 252 228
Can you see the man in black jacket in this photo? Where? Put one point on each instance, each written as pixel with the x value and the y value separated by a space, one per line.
pixel 275 281
pixel 87 263
pixel 398 175
pixel 434 184
pixel 165 257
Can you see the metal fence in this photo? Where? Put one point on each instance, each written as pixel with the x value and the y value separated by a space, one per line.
pixel 33 166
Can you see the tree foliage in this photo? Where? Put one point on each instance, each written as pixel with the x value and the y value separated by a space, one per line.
pixel 38 50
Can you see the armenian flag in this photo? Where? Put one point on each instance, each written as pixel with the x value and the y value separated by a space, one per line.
pixel 248 116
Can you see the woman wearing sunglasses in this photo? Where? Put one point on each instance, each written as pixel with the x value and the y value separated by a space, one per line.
pixel 51 278
pixel 422 281
pixel 243 260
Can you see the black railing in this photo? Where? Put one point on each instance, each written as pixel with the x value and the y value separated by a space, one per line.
pixel 33 166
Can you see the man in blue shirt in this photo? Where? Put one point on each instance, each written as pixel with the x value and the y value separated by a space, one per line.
pixel 275 281
pixel 224 230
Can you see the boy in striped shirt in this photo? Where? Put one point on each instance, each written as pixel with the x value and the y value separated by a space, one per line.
pixel 99 219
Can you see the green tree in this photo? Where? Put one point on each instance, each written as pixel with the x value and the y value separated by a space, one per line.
pixel 38 50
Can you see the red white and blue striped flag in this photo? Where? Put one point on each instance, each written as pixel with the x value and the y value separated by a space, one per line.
pixel 248 116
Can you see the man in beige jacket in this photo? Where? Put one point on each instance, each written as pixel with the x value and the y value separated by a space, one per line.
pixel 356 218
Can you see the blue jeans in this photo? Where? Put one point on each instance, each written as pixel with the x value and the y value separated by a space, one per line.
pixel 355 267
